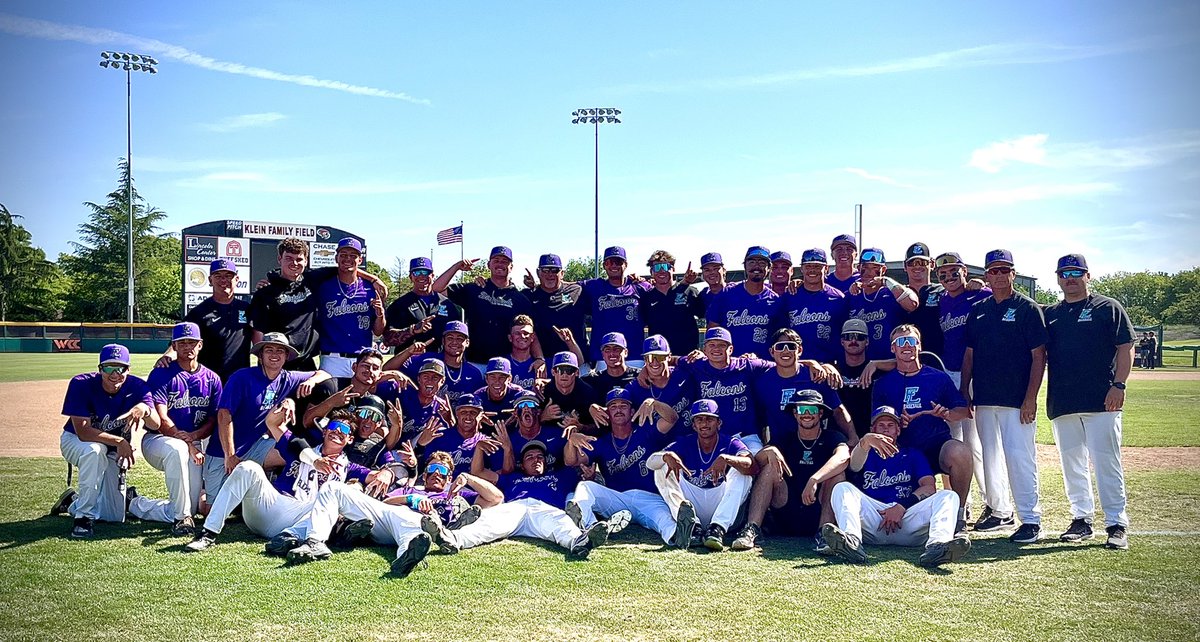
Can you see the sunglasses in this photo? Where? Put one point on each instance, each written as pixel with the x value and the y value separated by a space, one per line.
pixel 948 275
pixel 785 346
pixel 521 405
pixel 807 410
pixel 871 257
pixel 909 341
pixel 437 469
pixel 369 413
pixel 421 272
pixel 550 270
pixel 1071 274
pixel 564 370
pixel 114 369
pixel 657 357
pixel 338 426
pixel 853 336
pixel 999 270
pixel 660 267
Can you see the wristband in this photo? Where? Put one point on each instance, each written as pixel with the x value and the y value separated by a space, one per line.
pixel 413 502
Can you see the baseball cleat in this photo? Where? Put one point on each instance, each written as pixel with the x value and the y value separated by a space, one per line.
pixel 685 525
pixel 575 513
pixel 993 523
pixel 63 504
pixel 581 547
pixel 820 546
pixel 441 536
pixel 84 528
pixel 747 538
pixel 281 544
pixel 417 549
pixel 347 533
pixel 1118 539
pixel 183 527
pixel 618 521
pixel 939 553
pixel 843 544
pixel 1079 530
pixel 714 539
pixel 465 518
pixel 1026 534
pixel 205 540
pixel 130 495
pixel 310 551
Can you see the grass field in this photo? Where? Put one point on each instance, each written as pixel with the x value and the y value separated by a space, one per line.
pixel 44 367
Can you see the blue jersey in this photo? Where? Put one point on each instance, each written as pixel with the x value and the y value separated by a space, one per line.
pixel 914 394
pixel 613 309
pixel 249 396
pixel 881 312
pixel 551 487
pixel 772 393
pixel 190 397
pixel 675 394
pixel 504 407
pixel 841 284
pixel 461 449
pixel 894 479
pixel 345 315
pixel 952 316
pixel 730 387
pixel 623 461
pixel 417 414
pixel 86 398
pixel 817 317
pixel 460 381
pixel 523 373
pixel 697 462
pixel 551 436
pixel 750 318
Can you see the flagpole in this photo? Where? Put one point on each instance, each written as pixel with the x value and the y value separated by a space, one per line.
pixel 462 242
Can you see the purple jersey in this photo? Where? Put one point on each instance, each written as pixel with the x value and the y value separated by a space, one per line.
pixel 841 284
pixel 894 479
pixel 443 502
pixel 750 318
pixel 952 316
pixel 674 393
pixel 772 393
pixel 461 449
pixel 698 462
pixel 730 387
pixel 881 312
pixel 613 309
pixel 523 373
pixel 86 398
pixel 417 414
pixel 190 397
pixel 504 407
pixel 460 381
pixel 249 396
pixel 551 487
pixel 302 481
pixel 817 317
pixel 623 461
pixel 551 436
pixel 345 316
pixel 915 393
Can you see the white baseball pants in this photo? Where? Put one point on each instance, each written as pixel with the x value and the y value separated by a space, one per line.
pixel 183 477
pixel 718 505
pixel 397 525
pixel 1094 436
pixel 265 510
pixel 98 494
pixel 520 518
pixel 1010 461
pixel 649 510
pixel 928 521
pixel 967 432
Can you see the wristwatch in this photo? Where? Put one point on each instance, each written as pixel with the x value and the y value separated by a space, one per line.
pixel 1119 385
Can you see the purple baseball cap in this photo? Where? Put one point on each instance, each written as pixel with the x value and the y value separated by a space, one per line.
pixel 499 364
pixel 781 256
pixel 456 326
pixel 705 408
pixel 618 394
pixel 185 330
pixel 500 250
pixel 655 344
pixel 872 255
pixel 844 238
pixel 221 265
pixel 1072 262
pixel 711 257
pixel 814 255
pixel 614 252
pixel 613 339
pixel 420 263
pixel 757 252
pixel 717 334
pixel 884 411
pixel 468 401
pixel 565 358
pixel 114 353
pixel 550 261
pixel 998 256
pixel 350 242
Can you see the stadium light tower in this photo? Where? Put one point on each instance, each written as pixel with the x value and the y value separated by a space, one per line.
pixel 596 116
pixel 129 63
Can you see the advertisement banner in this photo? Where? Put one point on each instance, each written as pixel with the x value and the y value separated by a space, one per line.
pixel 257 230
pixel 199 249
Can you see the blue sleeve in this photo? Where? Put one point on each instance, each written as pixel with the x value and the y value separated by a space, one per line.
pixel 951 396
pixel 231 394
pixel 159 382
pixel 737 448
pixel 354 471
pixel 716 308
pixel 75 404
pixel 831 397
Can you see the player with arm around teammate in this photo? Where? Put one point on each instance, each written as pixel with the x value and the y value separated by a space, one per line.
pixel 895 502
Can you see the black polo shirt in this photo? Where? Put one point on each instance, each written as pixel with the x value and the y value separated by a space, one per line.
pixel 412 308
pixel 562 309
pixel 673 314
pixel 1002 335
pixel 290 307
pixel 225 330
pixel 489 312
pixel 578 400
pixel 856 400
pixel 925 317
pixel 602 383
pixel 1082 352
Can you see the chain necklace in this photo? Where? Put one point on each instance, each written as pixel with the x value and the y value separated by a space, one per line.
pixel 450 377
pixel 803 442
pixel 355 289
pixel 620 449
pixel 711 456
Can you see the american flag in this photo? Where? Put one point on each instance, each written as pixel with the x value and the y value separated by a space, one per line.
pixel 450 236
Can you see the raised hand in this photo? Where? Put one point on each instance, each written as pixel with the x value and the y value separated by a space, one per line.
pixel 690 276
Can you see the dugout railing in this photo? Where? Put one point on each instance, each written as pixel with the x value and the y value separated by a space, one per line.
pixel 21 336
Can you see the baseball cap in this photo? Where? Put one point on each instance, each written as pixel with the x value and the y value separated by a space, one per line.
pixel 844 238
pixel 500 250
pixel 757 252
pixel 420 263
pixel 456 326
pixel 614 252
pixel 814 255
pixel 884 411
pixel 705 407
pixel 186 330
pixel 436 366
pixel 1072 262
pixel 711 257
pixel 114 353
pixel 948 258
pixel 613 339
pixel 550 261
pixel 998 256
pixel 917 250
pixel 781 256
pixel 526 397
pixel 806 397
pixel 564 358
pixel 872 255
pixel 350 242
pixel 533 444
pixel 371 402
pixel 618 394
pixel 221 265
pixel 499 364
pixel 717 334
pixel 655 344
pixel 854 325
pixel 275 339
pixel 468 401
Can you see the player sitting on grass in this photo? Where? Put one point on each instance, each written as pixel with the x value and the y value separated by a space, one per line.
pixel 895 502
pixel 456 501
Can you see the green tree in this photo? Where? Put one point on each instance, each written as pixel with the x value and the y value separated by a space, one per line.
pixel 1184 293
pixel 1045 296
pixel 385 276
pixel 97 268
pixel 1144 294
pixel 26 277
pixel 580 269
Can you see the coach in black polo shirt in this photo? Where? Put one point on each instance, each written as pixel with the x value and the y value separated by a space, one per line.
pixel 224 324
pixel 556 305
pixel 1005 359
pixel 489 309
pixel 671 308
pixel 406 315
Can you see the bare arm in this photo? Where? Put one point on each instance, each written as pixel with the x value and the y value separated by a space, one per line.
pixel 443 281
pixel 968 371
pixel 835 466
pixel 841 417
pixel 479 470
pixel 489 495
pixel 1037 369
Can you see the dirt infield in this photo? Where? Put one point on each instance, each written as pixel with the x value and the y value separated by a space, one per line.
pixel 1166 375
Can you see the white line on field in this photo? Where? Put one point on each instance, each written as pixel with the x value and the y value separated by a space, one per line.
pixel 1166 533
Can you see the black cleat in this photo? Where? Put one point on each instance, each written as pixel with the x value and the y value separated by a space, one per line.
pixel 1118 539
pixel 685 525
pixel 63 504
pixel 311 550
pixel 940 553
pixel 205 540
pixel 994 523
pixel 84 528
pixel 281 544
pixel 417 549
pixel 747 538
pixel 714 538
pixel 843 544
pixel 1080 530
pixel 183 527
pixel 1026 534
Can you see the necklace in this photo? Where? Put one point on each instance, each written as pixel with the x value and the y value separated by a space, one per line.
pixel 804 442
pixel 450 377
pixel 711 456
pixel 354 289
pixel 620 449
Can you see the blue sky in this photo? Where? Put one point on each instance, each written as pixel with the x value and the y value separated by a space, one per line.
pixel 1044 129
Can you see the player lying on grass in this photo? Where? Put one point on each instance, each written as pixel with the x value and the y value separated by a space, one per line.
pixel 895 501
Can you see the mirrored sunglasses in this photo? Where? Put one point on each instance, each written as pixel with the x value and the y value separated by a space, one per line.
pixel 421 272
pixel 521 405
pixel 338 426
pixel 1071 274
pixel 550 270
pixel 871 257
pixel 808 410
pixel 437 469
pixel 114 369
pixel 657 357
pixel 999 270
pixel 369 413
pixel 903 341
pixel 853 336
pixel 785 346
pixel 660 267
pixel 564 370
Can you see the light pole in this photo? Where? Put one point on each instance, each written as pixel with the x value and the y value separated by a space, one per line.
pixel 129 63
pixel 595 116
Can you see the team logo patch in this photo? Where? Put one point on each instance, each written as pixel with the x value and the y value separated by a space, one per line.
pixel 911 400
pixel 680 299
pixel 1009 315
pixel 1085 314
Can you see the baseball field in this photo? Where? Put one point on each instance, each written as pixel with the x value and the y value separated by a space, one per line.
pixel 132 581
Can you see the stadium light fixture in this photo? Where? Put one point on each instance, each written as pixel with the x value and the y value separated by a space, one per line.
pixel 595 116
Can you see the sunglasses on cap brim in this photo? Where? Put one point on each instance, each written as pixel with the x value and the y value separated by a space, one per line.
pixel 871 257
pixel 369 413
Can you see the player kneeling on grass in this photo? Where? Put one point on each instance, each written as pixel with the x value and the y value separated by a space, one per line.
pixel 269 509
pixel 533 507
pixel 895 502
pixel 802 468
pixel 704 479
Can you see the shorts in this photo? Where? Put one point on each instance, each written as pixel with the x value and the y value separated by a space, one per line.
pixel 794 519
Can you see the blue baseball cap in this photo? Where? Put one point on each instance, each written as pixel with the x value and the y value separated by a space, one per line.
pixel 705 407
pixel 884 411
pixel 564 358
pixel 814 255
pixel 114 353
pixel 613 339
pixel 420 263
pixel 468 401
pixel 614 252
pixel 1072 262
pixel 757 252
pixel 185 330
pixel 655 344
pixel 350 242
pixel 456 326
pixel 549 261
pixel 872 255
pixel 844 238
pixel 221 265
pixel 1003 257
pixel 500 250
pixel 618 394
pixel 781 256
pixel 499 364
pixel 717 334
pixel 710 258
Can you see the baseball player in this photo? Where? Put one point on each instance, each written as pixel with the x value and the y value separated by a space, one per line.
pixel 653 382
pixel 500 453
pixel 621 455
pixel 369 378
pixel 844 250
pixel 567 399
pixel 349 312
pixel 749 310
pixel 456 500
pixel 616 373
pixel 669 308
pixel 815 309
pixel 489 308
pixel 460 378
pixel 185 400
pixel 779 278
pixel 712 270
pixel 460 442
pixel 918 266
pixel 420 314
pixel 557 307
pixel 374 435
pixel 500 394
pixel 422 405
pixel 103 408
pixel 896 501
pixel 704 479
pixel 224 324
pixel 527 367
pixel 613 303
pixel 878 300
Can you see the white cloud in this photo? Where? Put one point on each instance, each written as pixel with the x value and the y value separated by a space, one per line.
pixel 244 121
pixel 1120 154
pixel 1025 149
pixel 43 29
pixel 862 173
